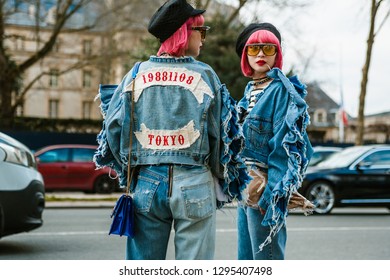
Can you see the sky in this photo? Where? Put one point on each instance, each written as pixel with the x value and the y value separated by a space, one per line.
pixel 333 34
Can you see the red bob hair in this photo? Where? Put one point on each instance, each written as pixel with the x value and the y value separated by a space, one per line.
pixel 261 36
pixel 177 44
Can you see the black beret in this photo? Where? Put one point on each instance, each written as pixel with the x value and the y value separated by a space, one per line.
pixel 249 30
pixel 170 17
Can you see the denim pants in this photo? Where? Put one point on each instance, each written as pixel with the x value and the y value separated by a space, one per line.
pixel 251 234
pixel 187 203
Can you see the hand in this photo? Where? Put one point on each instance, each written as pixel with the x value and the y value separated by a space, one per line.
pixel 262 211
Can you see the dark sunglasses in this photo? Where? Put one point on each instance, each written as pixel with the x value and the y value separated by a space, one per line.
pixel 254 49
pixel 202 30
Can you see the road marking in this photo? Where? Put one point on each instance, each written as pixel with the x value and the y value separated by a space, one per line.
pixel 221 230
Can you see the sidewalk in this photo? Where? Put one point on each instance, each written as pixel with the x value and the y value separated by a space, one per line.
pixel 80 200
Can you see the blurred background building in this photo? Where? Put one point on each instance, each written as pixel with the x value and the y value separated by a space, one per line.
pixel 64 84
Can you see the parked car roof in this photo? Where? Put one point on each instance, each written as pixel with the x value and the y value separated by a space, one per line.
pixel 321 153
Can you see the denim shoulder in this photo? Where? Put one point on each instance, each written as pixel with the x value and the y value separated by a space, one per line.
pixel 235 172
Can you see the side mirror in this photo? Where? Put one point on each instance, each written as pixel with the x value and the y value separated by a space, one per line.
pixel 363 165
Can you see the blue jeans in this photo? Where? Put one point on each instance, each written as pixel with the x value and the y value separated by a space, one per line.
pixel 251 234
pixel 189 205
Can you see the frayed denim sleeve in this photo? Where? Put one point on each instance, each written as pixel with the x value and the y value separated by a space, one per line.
pixel 235 174
pixel 288 160
pixel 107 152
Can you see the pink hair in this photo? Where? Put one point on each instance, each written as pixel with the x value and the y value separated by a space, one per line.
pixel 261 36
pixel 177 44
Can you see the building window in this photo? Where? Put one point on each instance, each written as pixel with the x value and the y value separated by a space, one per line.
pixel 20 110
pixel 320 116
pixel 53 108
pixel 87 108
pixel 87 47
pixel 19 43
pixel 87 79
pixel 56 47
pixel 53 77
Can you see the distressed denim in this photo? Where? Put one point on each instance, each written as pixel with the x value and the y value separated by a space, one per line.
pixel 251 233
pixel 190 210
pixel 275 135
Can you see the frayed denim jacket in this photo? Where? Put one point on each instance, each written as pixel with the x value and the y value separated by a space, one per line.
pixel 275 134
pixel 182 115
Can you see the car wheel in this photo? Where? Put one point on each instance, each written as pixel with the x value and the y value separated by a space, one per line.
pixel 104 184
pixel 321 194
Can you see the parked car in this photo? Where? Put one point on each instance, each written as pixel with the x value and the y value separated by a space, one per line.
pixel 70 167
pixel 22 193
pixel 355 176
pixel 321 153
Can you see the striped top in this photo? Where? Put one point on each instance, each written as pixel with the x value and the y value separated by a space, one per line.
pixel 252 102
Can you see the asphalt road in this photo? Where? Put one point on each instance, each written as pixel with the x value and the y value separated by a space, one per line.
pixel 81 234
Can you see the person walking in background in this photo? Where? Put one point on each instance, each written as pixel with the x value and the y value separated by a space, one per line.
pixel 277 150
pixel 185 141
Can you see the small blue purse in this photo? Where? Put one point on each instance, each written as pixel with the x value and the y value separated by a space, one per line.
pixel 123 213
pixel 123 217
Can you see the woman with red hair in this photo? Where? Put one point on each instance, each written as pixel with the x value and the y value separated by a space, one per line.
pixel 277 150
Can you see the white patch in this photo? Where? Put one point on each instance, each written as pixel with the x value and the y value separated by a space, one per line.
pixel 167 139
pixel 169 76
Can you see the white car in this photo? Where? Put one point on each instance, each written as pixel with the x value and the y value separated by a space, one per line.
pixel 22 192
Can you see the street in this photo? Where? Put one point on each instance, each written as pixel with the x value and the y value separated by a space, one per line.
pixel 81 234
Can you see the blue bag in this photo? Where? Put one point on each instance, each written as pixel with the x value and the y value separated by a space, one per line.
pixel 123 217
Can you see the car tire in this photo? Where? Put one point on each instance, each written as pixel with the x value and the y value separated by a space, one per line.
pixel 104 184
pixel 322 195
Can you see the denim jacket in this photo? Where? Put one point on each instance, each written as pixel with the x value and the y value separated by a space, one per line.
pixel 275 135
pixel 182 115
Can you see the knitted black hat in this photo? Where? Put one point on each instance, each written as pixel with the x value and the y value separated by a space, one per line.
pixel 170 17
pixel 249 30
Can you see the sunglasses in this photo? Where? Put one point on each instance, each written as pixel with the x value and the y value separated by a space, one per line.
pixel 202 30
pixel 254 49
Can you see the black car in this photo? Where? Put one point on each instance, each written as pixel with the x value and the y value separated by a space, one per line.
pixel 355 176
pixel 22 192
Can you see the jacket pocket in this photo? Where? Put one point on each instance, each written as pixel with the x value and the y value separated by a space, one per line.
pixel 259 132
pixel 198 200
pixel 144 193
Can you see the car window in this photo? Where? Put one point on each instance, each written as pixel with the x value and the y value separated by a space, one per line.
pixel 343 158
pixel 58 155
pixel 83 155
pixel 378 158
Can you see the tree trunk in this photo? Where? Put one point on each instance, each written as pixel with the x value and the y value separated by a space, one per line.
pixel 363 86
pixel 6 108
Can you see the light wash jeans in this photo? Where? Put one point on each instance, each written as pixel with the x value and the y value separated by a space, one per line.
pixel 251 234
pixel 190 207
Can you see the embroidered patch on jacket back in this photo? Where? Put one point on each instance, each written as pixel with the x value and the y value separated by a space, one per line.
pixel 169 76
pixel 167 139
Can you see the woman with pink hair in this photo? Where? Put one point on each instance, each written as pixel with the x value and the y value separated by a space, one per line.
pixel 185 141
pixel 277 149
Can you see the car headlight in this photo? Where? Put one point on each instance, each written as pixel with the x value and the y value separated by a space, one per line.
pixel 17 156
